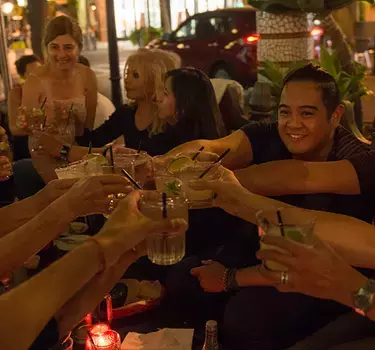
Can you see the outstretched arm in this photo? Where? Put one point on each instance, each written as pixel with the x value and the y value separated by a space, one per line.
pixel 285 177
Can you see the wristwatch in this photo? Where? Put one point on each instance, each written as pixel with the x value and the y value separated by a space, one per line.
pixel 364 297
pixel 64 152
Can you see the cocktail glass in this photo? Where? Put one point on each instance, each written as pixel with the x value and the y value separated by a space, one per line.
pixel 165 248
pixel 198 199
pixel 142 164
pixel 79 169
pixel 171 185
pixel 296 225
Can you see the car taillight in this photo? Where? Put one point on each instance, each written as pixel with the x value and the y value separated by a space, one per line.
pixel 252 39
pixel 317 31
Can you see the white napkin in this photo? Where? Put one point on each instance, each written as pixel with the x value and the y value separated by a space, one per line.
pixel 167 338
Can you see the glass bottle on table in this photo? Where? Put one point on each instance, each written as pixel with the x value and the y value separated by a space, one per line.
pixel 211 341
pixel 211 338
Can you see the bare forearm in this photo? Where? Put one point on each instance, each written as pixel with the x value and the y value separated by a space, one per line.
pixel 43 295
pixel 350 237
pixel 91 294
pixel 275 178
pixel 191 147
pixel 19 245
pixel 285 177
pixel 251 277
pixel 18 213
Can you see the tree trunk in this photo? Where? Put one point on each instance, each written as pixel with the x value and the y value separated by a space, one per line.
pixel 340 43
pixel 165 15
pixel 36 19
pixel 285 38
pixel 341 46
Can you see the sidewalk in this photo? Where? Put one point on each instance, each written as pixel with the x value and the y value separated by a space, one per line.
pixel 122 45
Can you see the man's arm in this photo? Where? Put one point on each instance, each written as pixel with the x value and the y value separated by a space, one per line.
pixel 350 237
pixel 240 156
pixel 297 177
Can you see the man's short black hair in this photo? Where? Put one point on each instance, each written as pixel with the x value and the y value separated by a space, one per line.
pixel 22 63
pixel 325 81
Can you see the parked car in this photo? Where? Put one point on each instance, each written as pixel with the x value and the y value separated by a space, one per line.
pixel 222 43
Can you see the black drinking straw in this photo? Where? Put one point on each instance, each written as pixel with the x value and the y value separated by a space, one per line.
pixel 197 154
pixel 90 147
pixel 111 158
pixel 130 178
pixel 43 103
pixel 139 146
pixel 215 162
pixel 164 198
pixel 280 223
pixel 45 117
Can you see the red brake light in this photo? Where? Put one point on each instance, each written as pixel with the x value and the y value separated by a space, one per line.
pixel 317 31
pixel 252 39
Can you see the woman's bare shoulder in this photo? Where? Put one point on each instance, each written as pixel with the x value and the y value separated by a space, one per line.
pixel 87 72
pixel 88 75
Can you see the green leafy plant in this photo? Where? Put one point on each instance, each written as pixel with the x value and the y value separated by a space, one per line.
pixel 147 34
pixel 316 6
pixel 351 86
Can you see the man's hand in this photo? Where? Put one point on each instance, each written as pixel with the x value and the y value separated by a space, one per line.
pixel 316 271
pixel 210 276
pixel 5 168
pixel 228 190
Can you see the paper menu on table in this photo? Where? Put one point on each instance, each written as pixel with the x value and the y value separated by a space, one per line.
pixel 167 338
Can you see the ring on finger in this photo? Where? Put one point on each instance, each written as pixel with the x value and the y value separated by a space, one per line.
pixel 284 277
pixel 111 205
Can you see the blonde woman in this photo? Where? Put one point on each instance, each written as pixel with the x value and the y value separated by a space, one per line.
pixel 137 120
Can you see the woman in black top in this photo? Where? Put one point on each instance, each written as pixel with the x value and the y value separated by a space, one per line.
pixel 196 113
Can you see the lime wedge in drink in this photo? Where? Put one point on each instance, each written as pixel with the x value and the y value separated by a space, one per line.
pixel 99 158
pixel 172 188
pixel 294 235
pixel 178 164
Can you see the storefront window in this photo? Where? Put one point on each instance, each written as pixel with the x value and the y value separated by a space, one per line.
pixel 215 4
pixel 178 14
pixel 154 9
pixel 202 5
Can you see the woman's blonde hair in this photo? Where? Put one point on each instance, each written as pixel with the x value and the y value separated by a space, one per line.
pixel 155 63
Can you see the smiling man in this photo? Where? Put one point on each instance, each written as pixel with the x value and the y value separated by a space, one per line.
pixel 312 162
pixel 306 151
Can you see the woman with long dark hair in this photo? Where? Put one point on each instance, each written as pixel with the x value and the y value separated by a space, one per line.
pixel 188 104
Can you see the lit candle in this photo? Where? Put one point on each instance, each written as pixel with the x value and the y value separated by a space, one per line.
pixel 109 340
pixel 99 328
